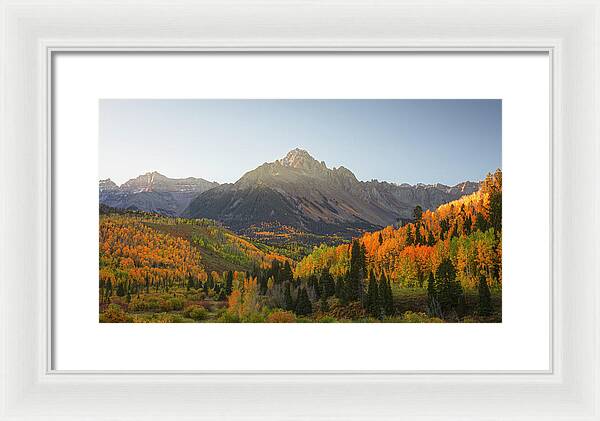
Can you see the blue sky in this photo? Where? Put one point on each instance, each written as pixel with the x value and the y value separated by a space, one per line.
pixel 400 141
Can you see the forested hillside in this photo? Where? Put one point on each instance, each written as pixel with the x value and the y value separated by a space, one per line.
pixel 446 265
pixel 468 231
pixel 450 251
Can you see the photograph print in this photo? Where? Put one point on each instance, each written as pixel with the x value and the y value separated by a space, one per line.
pixel 300 211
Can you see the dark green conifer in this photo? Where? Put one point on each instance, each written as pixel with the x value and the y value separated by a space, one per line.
pixel 286 272
pixel 327 285
pixel 417 213
pixel 357 271
pixel 275 271
pixel 229 283
pixel 385 292
pixel 303 306
pixel 313 283
pixel 288 303
pixel 450 294
pixel 409 236
pixel 431 286
pixel 417 233
pixel 340 289
pixel 485 297
pixel 324 304
pixel 372 304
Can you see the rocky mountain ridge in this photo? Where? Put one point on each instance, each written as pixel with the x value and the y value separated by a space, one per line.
pixel 153 192
pixel 301 192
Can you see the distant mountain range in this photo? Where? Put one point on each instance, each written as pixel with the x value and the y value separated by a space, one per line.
pixel 153 192
pixel 296 191
pixel 303 193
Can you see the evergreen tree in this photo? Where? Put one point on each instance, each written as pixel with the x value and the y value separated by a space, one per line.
pixel 468 225
pixel 363 260
pixel 386 297
pixel 433 306
pixel 109 289
pixel 417 234
pixel 485 297
pixel 288 303
pixel 340 289
pixel 101 290
pixel 275 271
pixel 495 211
pixel 431 286
pixel 313 283
pixel 363 274
pixel 430 239
pixel 372 305
pixel 120 289
pixel 263 284
pixel 303 306
pixel 327 285
pixel 409 236
pixel 229 283
pixel 323 304
pixel 417 213
pixel 480 223
pixel 444 227
pixel 286 273
pixel 357 270
pixel 449 291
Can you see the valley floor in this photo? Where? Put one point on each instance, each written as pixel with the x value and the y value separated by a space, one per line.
pixel 194 306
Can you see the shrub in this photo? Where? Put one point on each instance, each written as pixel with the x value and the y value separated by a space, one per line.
pixel 196 296
pixel 178 318
pixel 167 318
pixel 392 319
pixel 114 314
pixel 327 319
pixel 196 312
pixel 164 304
pixel 152 304
pixel 412 317
pixel 254 318
pixel 175 303
pixel 352 311
pixel 142 318
pixel 227 317
pixel 137 304
pixel 281 316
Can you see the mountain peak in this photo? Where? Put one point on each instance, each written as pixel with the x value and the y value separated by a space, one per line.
pixel 107 185
pixel 299 158
pixel 153 174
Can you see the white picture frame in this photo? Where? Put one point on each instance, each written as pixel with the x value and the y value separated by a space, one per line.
pixel 31 31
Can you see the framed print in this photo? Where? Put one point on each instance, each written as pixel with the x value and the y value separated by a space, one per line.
pixel 273 234
pixel 279 211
